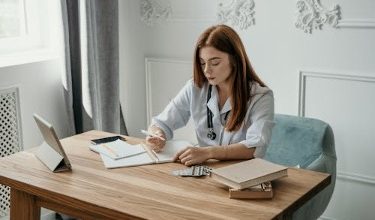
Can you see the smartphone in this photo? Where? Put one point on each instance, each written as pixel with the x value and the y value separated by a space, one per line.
pixel 107 139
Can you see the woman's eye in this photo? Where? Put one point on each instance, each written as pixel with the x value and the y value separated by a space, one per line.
pixel 202 64
pixel 215 64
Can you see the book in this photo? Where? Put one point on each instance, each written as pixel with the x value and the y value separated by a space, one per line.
pixel 148 157
pixel 261 191
pixel 117 149
pixel 248 173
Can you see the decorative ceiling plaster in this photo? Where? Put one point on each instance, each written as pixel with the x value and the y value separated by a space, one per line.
pixel 239 12
pixel 154 11
pixel 312 15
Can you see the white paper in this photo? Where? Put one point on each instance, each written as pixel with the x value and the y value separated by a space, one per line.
pixel 137 160
pixel 169 151
pixel 117 149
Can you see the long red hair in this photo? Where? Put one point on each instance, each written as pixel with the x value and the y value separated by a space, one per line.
pixel 225 39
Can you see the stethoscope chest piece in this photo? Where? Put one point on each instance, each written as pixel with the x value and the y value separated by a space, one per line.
pixel 211 134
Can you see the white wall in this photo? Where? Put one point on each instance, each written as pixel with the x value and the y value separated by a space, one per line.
pixel 132 76
pixel 336 66
pixel 41 92
pixel 35 68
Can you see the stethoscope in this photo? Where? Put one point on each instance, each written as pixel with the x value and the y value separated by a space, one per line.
pixel 211 134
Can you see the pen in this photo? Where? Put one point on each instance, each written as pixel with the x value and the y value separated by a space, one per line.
pixel 152 135
pixel 110 150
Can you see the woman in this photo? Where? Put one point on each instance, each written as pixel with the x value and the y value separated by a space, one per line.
pixel 231 107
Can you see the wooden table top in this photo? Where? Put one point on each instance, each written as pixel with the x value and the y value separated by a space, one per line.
pixel 147 192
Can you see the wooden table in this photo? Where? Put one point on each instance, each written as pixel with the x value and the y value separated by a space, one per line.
pixel 90 191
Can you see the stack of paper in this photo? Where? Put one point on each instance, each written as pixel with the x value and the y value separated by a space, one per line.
pixel 117 149
pixel 123 154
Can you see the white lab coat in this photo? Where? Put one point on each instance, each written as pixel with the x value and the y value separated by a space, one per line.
pixel 191 101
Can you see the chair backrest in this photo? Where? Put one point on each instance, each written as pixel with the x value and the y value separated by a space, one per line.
pixel 309 143
pixel 300 141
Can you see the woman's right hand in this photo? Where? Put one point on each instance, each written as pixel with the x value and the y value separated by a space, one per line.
pixel 156 143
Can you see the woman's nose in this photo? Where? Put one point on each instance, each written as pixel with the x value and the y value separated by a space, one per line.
pixel 207 68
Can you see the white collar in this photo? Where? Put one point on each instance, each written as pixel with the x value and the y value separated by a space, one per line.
pixel 212 104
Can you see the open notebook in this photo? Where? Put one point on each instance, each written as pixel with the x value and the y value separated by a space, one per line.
pixel 148 156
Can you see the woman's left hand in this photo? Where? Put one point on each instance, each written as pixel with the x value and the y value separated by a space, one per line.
pixel 192 155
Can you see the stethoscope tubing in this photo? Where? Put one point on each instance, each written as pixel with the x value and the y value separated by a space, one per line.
pixel 211 134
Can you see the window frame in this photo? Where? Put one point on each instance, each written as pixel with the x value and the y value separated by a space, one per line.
pixel 41 38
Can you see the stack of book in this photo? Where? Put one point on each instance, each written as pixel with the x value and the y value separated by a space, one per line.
pixel 249 179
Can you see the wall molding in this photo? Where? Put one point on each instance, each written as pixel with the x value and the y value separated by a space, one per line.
pixel 326 218
pixel 312 15
pixel 176 72
pixel 155 11
pixel 148 62
pixel 182 19
pixel 303 75
pixel 239 13
pixel 356 177
pixel 356 23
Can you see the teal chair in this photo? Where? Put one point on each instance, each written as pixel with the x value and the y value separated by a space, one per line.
pixel 308 143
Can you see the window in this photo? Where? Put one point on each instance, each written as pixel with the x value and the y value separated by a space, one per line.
pixel 12 18
pixel 27 28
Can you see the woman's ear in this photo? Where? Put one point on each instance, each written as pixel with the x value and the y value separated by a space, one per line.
pixel 232 62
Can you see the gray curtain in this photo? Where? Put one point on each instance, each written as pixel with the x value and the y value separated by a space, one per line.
pixel 91 38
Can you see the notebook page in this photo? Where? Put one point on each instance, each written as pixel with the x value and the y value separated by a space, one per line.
pixel 170 149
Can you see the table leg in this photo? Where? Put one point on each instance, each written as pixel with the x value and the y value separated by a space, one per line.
pixel 23 206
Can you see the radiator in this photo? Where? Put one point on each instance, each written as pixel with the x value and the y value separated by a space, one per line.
pixel 10 135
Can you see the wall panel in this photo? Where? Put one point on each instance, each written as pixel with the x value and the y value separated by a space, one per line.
pixel 164 79
pixel 344 102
